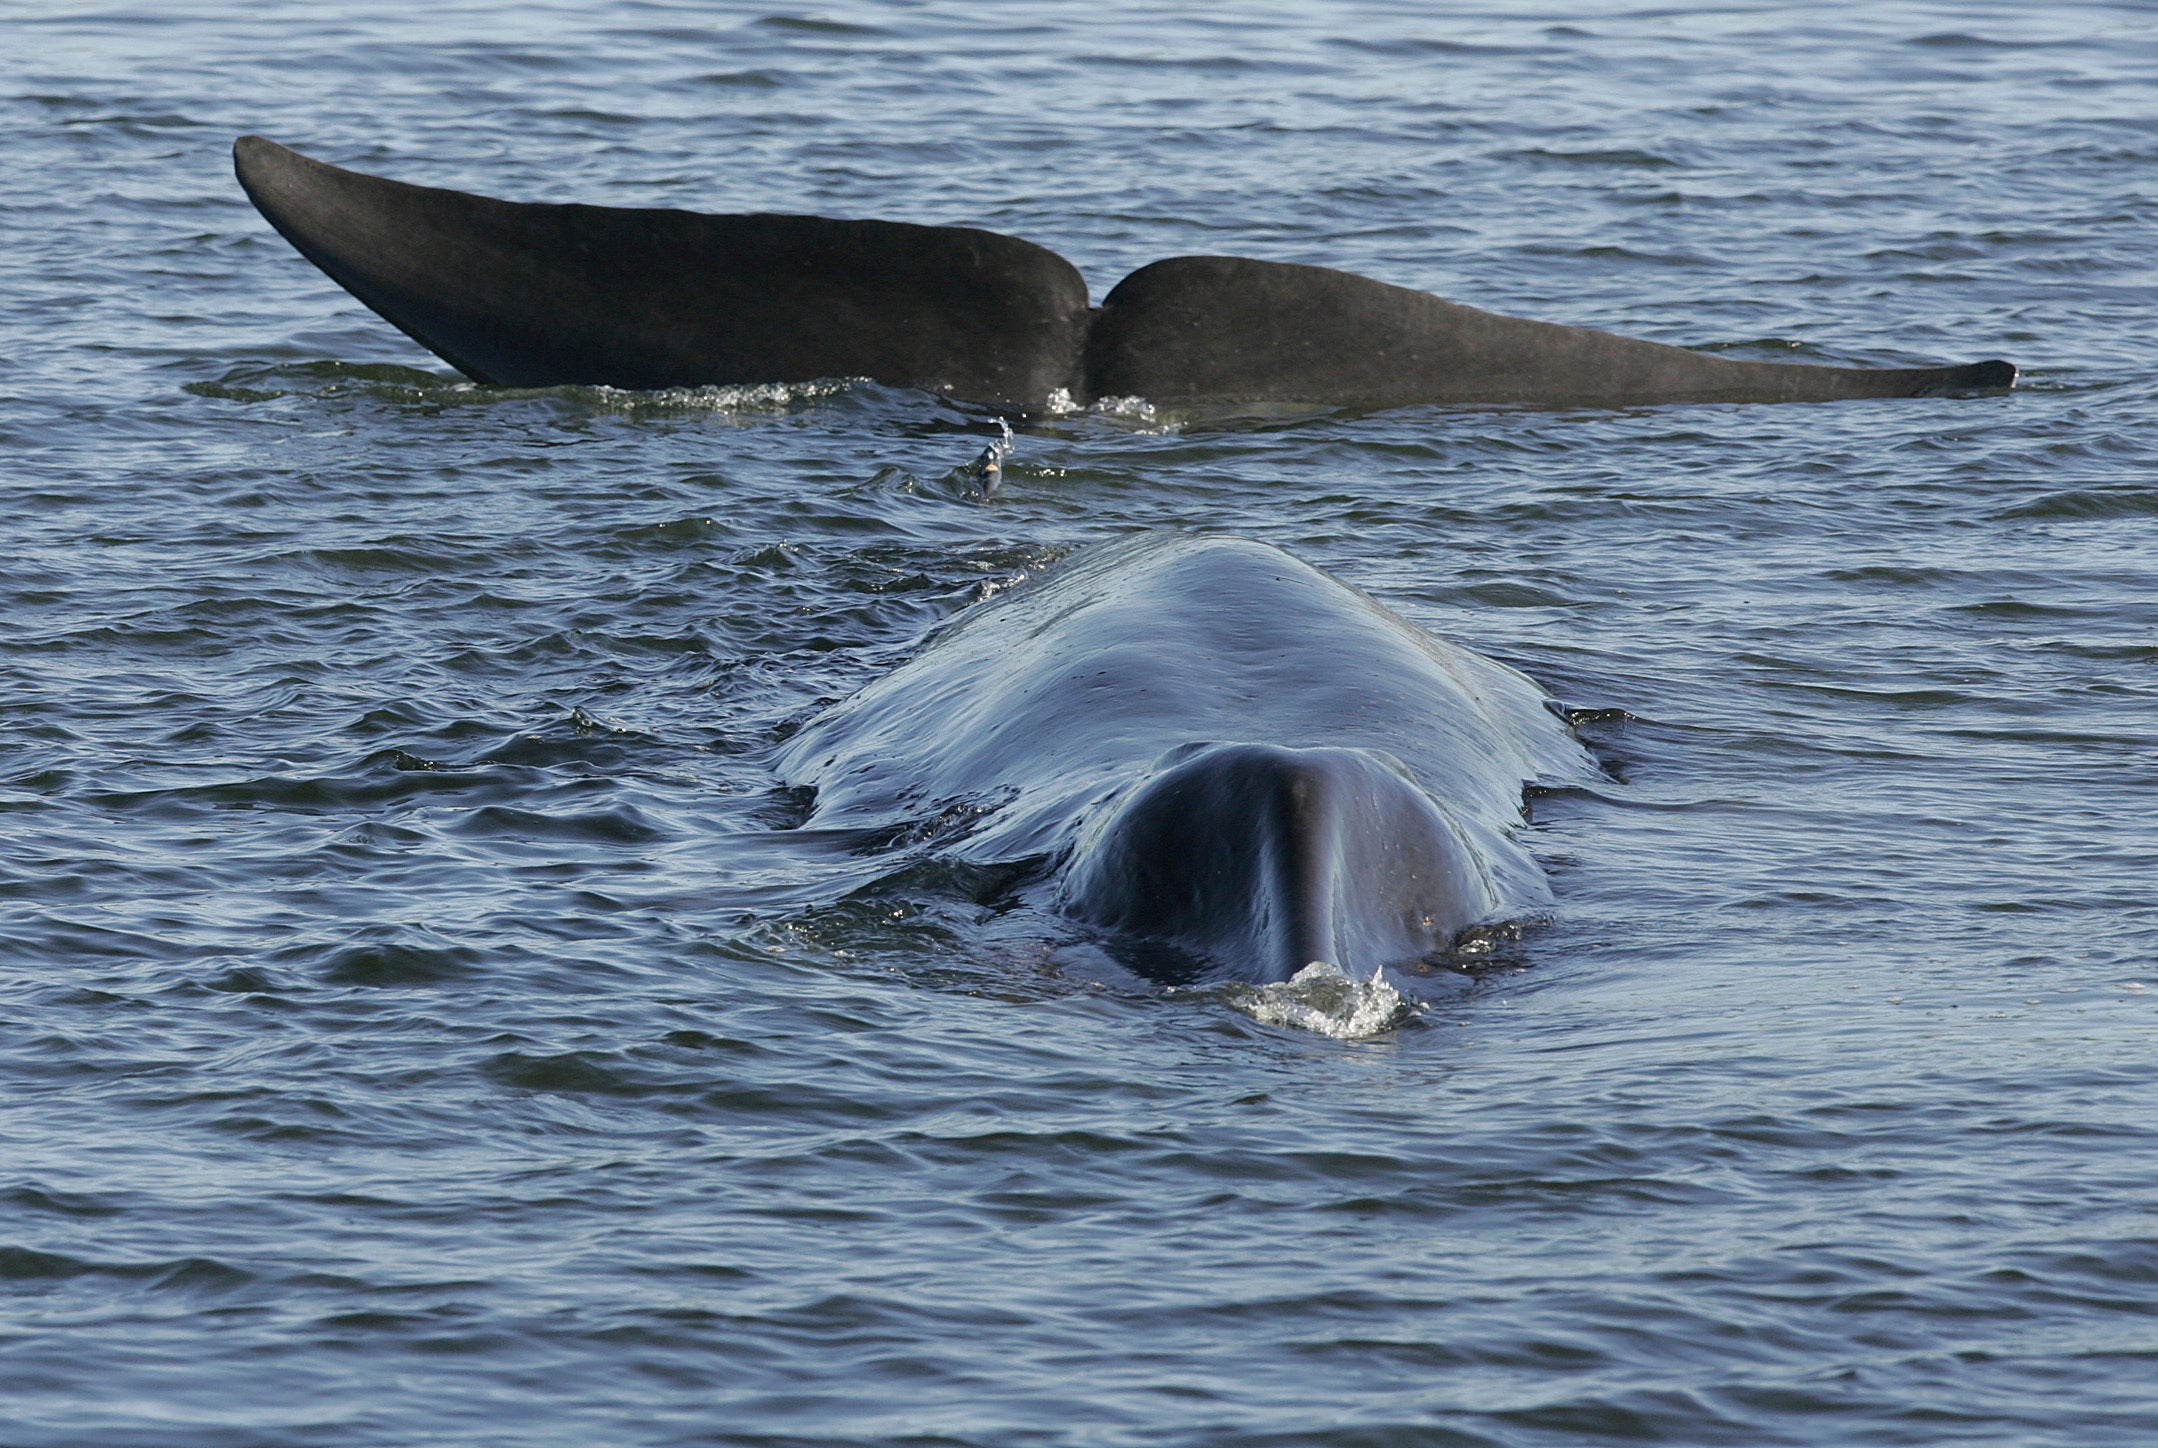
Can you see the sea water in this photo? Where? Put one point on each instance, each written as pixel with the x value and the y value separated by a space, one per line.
pixel 417 1024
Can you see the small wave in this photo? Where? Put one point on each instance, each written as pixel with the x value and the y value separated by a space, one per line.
pixel 623 824
pixel 27 1264
pixel 746 79
pixel 1421 46
pixel 1620 253
pixel 575 1073
pixel 266 383
pixel 1320 998
pixel 414 387
pixel 398 963
pixel 815 25
pixel 2117 502
pixel 1963 40
pixel 1624 158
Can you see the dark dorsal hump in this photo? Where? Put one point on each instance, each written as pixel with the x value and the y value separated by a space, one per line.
pixel 533 295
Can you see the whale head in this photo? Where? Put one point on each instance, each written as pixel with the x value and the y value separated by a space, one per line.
pixel 1250 861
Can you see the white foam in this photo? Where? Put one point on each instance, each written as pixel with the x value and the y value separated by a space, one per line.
pixel 1137 407
pixel 1134 412
pixel 1320 998
pixel 338 379
pixel 747 397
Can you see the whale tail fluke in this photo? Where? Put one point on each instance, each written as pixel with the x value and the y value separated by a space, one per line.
pixel 1228 328
pixel 1990 376
pixel 524 294
pixel 534 295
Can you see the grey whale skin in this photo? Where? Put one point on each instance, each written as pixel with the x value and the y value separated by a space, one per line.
pixel 1236 764
pixel 534 295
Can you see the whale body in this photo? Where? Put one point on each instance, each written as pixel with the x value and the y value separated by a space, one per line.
pixel 1231 764
pixel 534 295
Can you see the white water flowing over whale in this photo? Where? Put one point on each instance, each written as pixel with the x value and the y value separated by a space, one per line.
pixel 1235 764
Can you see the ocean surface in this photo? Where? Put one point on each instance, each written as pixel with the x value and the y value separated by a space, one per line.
pixel 418 1024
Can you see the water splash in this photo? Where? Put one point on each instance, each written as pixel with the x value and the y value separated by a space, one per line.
pixel 1137 407
pixel 1320 998
pixel 988 469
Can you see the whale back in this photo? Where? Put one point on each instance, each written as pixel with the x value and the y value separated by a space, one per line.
pixel 1035 712
pixel 1253 861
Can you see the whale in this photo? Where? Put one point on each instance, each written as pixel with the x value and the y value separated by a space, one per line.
pixel 525 294
pixel 1211 757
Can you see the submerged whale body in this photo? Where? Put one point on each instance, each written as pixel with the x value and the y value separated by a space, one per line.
pixel 1236 764
pixel 534 295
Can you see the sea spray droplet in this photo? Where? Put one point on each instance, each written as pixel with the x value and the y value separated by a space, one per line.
pixel 988 469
